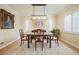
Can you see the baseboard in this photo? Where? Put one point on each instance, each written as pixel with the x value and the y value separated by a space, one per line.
pixel 5 45
pixel 72 46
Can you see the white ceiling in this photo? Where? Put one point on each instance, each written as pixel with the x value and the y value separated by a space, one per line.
pixel 27 9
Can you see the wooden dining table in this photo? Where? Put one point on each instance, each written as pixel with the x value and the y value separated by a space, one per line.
pixel 45 35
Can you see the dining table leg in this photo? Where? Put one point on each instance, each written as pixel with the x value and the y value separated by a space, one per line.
pixel 31 40
pixel 47 40
pixel 50 44
pixel 28 42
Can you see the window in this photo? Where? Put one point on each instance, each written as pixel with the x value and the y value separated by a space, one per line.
pixel 68 23
pixel 75 22
pixel 78 21
pixel 71 22
pixel 27 25
pixel 50 25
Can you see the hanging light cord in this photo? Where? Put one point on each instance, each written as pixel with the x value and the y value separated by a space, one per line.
pixel 44 10
pixel 33 10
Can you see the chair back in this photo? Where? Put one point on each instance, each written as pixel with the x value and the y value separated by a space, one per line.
pixel 21 33
pixel 39 31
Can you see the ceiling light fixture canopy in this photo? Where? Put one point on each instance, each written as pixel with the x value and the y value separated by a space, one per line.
pixel 38 4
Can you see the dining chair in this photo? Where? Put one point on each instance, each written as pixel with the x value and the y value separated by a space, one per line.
pixel 54 38
pixel 23 36
pixel 39 37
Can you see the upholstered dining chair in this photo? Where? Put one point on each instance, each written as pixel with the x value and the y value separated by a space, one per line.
pixel 23 36
pixel 39 31
pixel 39 37
pixel 54 38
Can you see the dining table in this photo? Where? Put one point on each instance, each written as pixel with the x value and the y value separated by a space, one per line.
pixel 44 36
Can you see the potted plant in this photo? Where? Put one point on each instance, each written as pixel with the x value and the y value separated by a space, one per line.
pixel 56 32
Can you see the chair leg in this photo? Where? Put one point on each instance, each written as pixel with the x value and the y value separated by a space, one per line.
pixel 57 43
pixel 31 40
pixel 35 45
pixel 21 43
pixel 42 45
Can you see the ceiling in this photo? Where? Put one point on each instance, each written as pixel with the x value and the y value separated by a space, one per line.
pixel 27 9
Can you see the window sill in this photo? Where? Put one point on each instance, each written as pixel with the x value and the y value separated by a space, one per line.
pixel 73 33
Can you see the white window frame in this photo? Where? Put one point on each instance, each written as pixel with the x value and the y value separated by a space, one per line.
pixel 71 23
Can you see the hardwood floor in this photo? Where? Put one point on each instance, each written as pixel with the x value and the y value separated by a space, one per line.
pixel 71 46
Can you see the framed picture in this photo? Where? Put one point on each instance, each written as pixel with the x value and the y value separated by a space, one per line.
pixel 39 21
pixel 6 20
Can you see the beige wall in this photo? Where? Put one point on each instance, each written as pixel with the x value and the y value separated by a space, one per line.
pixel 8 35
pixel 24 18
pixel 70 37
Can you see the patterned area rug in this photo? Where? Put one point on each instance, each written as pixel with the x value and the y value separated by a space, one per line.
pixel 15 49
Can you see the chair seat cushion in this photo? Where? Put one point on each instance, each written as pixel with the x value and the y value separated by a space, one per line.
pixel 53 37
pixel 24 38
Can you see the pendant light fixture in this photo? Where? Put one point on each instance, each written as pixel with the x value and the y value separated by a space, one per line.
pixel 42 16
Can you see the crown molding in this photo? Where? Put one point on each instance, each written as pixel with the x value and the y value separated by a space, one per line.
pixel 7 6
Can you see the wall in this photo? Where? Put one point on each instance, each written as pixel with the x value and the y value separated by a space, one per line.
pixel 23 19
pixel 8 35
pixel 69 37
